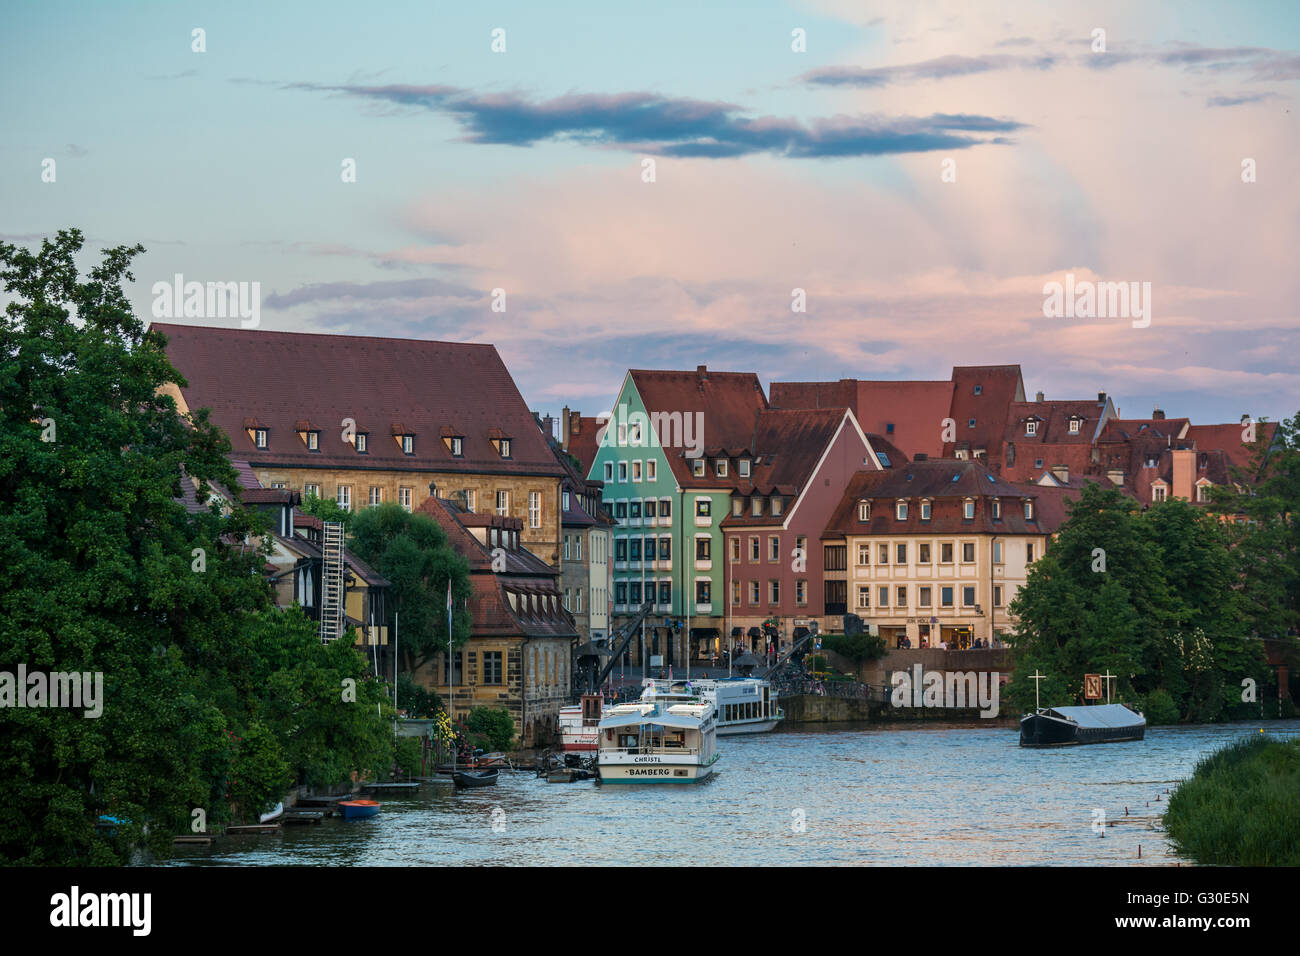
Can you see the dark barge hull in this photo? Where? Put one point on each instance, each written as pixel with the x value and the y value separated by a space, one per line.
pixel 1070 726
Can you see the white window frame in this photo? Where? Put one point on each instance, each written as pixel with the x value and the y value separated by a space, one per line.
pixel 503 495
pixel 534 509
pixel 343 497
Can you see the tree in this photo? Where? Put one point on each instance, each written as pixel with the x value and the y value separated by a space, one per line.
pixel 413 552
pixel 326 510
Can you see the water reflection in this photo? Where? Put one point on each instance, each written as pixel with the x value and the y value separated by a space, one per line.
pixel 958 795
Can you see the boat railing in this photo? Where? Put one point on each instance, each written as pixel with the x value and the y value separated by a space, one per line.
pixel 652 751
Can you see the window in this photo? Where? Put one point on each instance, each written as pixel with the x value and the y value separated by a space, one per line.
pixel 882 597
pixel 776 504
pixel 774 592
pixel 503 502
pixel 408 444
pixel 636 471
pixel 634 549
pixel 634 508
pixel 735 549
pixel 900 511
pixel 997 552
pixel 900 553
pixel 566 501
pixel 1029 552
pixel 945 596
pixel 404 498
pixel 968 509
pixel 504 447
pixel 925 510
pixel 665 592
pixel 665 507
pixel 344 497
pixel 376 495
pixel 1157 492
pixel 261 437
pixel 753 592
pixel 1029 511
pixel 311 491
pixel 1202 493
pixel 620 510
pixel 864 597
pixel 609 471
pixel 883 552
pixel 534 509
pixel 492 667
pixel 737 506
pixel 622 471
pixel 313 441
pixel 756 507
pixel 703 592
pixel 567 556
pixel 923 557
pixel 968 552
pixel 697 467
pixel 577 600
pixel 279 484
pixel 634 593
pixel 1074 426
pixel 900 596
pixel 620 549
pixel 997 509
pixel 923 596
pixel 979 389
pixel 997 595
pixel 720 467
pixel 702 507
pixel 363 443
pixel 743 467
pixel 801 592
pixel 753 548
pixel 1031 427
pixel 650 507
pixel 577 551
pixel 458 446
pixel 864 554
pixel 620 592
pixel 1038 463
pixel 864 511
pixel 967 596
pixel 457 661
pixel 773 548
pixel 735 592
pixel 945 552
pixel 651 470
pixel 970 423
pixel 703 548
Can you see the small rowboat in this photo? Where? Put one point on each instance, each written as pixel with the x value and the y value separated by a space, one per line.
pixel 358 809
pixel 482 778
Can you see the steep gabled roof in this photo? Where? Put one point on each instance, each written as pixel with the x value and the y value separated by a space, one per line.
pixel 1227 439
pixel 983 393
pixel 909 414
pixel 281 380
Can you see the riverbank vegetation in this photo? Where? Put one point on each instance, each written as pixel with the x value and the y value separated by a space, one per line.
pixel 1174 599
pixel 214 702
pixel 1239 807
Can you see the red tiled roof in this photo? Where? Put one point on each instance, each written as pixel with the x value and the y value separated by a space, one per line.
pixel 1227 439
pixel 279 378
pixel 999 386
pixel 729 402
pixel 582 441
pixel 908 413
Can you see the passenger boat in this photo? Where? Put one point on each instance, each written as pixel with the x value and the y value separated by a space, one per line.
pixel 1066 726
pixel 578 724
pixel 474 778
pixel 653 740
pixel 358 809
pixel 742 705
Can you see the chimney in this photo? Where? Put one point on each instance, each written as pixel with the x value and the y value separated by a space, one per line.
pixel 1038 397
pixel 1184 473
pixel 1061 473
pixel 702 371
pixel 1158 415
pixel 1101 398
pixel 564 428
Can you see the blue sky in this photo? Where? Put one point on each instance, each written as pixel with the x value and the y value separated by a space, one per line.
pixel 774 170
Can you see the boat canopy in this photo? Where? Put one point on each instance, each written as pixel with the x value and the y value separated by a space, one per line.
pixel 1100 715
pixel 683 721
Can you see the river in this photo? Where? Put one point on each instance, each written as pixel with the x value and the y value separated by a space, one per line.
pixel 874 795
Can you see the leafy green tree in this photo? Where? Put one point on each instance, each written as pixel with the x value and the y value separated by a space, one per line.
pixel 412 551
pixel 491 728
pixel 326 510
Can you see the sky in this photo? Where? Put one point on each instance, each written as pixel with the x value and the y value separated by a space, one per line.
pixel 920 170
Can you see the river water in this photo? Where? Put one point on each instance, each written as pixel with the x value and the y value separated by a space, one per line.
pixel 892 795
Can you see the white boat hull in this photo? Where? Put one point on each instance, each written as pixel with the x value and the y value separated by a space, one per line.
pixel 748 727
pixel 656 772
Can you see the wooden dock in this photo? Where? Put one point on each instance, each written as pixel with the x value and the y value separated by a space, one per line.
pixel 304 817
pixel 253 828
pixel 194 840
pixel 414 785
pixel 327 802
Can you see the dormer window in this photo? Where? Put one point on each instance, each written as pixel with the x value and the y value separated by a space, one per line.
pixel 997 509
pixel 720 467
pixel 864 511
pixel 968 509
pixel 979 389
pixel 737 507
pixel 455 445
pixel 743 466
pixel 313 441
pixel 503 446
pixel 1029 509
pixel 362 443
pixel 1074 426
pixel 900 510
pixel 756 507
pixel 259 437
pixel 776 504
pixel 1031 427
pixel 970 423
pixel 408 444
pixel 925 510
pixel 697 467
